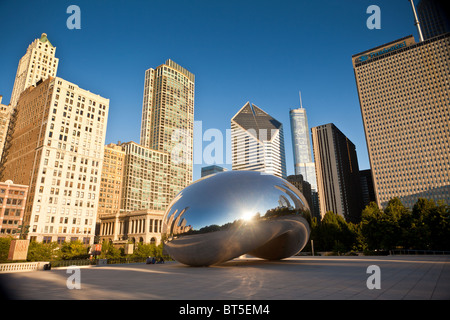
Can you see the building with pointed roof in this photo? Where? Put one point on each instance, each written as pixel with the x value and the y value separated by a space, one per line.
pixel 5 117
pixel 257 142
pixel 38 63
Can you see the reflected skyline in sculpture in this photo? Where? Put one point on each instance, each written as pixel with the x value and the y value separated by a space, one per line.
pixel 225 215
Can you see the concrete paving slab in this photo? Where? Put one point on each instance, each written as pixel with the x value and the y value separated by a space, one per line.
pixel 296 278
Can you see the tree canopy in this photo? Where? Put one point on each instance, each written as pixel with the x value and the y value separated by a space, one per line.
pixel 424 227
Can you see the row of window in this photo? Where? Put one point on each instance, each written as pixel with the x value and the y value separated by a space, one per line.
pixel 61 240
pixel 11 201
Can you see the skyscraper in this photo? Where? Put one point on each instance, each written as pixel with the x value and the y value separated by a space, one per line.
pixel 303 160
pixel 301 146
pixel 337 172
pixel 404 89
pixel 434 17
pixel 38 63
pixel 55 146
pixel 111 180
pixel 5 116
pixel 146 179
pixel 257 142
pixel 368 193
pixel 167 123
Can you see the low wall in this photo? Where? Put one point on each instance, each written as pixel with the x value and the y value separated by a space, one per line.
pixel 22 266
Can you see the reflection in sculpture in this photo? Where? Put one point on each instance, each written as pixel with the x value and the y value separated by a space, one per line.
pixel 228 214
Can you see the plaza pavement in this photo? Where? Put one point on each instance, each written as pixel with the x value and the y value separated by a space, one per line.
pixel 295 278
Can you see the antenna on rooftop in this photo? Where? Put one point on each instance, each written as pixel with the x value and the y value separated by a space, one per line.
pixel 300 95
pixel 416 20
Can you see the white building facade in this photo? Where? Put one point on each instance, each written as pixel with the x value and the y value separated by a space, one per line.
pixel 39 62
pixel 257 142
pixel 57 148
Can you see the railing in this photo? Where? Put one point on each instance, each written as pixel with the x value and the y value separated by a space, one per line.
pixel 22 266
pixel 126 260
pixel 421 252
pixel 32 266
pixel 67 263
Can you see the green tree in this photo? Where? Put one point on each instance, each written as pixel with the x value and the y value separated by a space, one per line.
pixel 73 250
pixel 417 231
pixel 394 214
pixel 144 250
pixel 384 230
pixel 38 251
pixel 334 233
pixel 438 221
pixel 359 243
pixel 109 251
pixel 5 243
pixel 371 230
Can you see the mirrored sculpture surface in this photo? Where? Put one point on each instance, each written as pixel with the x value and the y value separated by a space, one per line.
pixel 228 214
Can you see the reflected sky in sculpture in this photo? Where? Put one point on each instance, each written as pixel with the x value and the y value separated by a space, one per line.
pixel 224 197
pixel 242 209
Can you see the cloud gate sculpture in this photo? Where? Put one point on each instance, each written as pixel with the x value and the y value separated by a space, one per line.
pixel 225 215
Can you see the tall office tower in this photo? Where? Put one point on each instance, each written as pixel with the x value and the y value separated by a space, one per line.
pixel 38 63
pixel 146 180
pixel 303 160
pixel 434 17
pixel 168 118
pixel 337 172
pixel 368 193
pixel 5 115
pixel 257 142
pixel 55 146
pixel 111 180
pixel 403 90
pixel 301 145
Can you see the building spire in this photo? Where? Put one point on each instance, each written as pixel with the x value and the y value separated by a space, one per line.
pixel 300 95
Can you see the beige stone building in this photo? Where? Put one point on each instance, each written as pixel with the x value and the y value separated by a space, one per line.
pixel 141 176
pixel 142 226
pixel 161 165
pixel 404 93
pixel 56 148
pixel 38 63
pixel 5 116
pixel 111 180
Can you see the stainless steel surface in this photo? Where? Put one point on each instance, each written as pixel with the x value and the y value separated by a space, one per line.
pixel 228 214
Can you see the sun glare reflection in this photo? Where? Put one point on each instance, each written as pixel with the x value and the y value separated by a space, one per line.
pixel 248 215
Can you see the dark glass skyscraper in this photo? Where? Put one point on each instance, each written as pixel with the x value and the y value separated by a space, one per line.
pixel 434 17
pixel 337 173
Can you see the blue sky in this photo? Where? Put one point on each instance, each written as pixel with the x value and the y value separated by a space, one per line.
pixel 260 51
